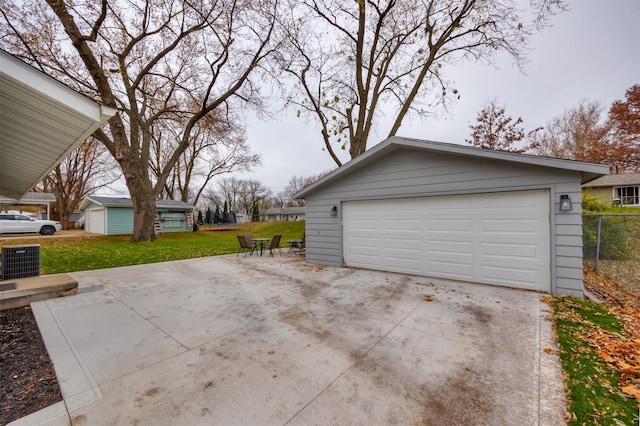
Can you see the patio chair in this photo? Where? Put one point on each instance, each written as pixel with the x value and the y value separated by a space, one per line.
pixel 303 244
pixel 275 244
pixel 245 246
pixel 299 247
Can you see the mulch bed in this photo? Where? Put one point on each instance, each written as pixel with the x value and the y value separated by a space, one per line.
pixel 27 380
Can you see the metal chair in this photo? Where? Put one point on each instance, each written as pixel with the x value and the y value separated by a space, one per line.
pixel 245 246
pixel 275 244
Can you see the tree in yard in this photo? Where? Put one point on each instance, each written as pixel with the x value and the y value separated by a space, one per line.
pixel 349 58
pixel 577 134
pixel 218 146
pixel 239 194
pixel 152 60
pixel 623 131
pixel 495 130
pixel 297 183
pixel 85 170
pixel 580 134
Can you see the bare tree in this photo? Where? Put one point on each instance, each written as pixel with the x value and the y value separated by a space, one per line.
pixel 218 146
pixel 572 135
pixel 494 129
pixel 239 194
pixel 252 192
pixel 152 60
pixel 85 170
pixel 348 58
pixel 297 183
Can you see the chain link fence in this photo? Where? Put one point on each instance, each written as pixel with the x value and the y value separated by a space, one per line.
pixel 611 244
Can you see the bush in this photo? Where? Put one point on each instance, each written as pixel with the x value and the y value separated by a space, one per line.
pixel 593 204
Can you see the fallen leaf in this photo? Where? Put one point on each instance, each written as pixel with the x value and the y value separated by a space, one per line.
pixel 549 351
pixel 631 391
pixel 429 298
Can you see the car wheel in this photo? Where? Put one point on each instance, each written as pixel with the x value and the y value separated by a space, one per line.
pixel 47 230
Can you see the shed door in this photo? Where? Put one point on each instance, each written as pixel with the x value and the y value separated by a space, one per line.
pixel 498 238
pixel 95 221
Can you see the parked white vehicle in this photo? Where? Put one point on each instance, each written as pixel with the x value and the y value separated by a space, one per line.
pixel 19 223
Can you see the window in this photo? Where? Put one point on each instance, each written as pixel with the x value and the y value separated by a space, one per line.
pixel 627 195
pixel 7 217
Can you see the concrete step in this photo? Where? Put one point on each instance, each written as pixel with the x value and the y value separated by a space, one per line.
pixel 22 291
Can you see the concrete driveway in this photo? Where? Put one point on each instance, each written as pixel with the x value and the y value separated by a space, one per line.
pixel 248 341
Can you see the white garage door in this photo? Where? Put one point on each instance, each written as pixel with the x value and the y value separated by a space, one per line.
pixel 95 221
pixel 497 238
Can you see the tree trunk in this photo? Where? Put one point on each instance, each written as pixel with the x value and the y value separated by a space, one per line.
pixel 144 215
pixel 144 210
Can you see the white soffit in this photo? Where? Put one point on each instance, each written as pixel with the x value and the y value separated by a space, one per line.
pixel 41 122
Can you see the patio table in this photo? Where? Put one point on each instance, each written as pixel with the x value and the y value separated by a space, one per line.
pixel 262 243
pixel 294 244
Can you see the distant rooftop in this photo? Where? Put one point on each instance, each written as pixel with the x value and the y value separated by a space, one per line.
pixel 621 179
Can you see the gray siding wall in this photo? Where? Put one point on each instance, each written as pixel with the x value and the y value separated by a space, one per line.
pixel 416 173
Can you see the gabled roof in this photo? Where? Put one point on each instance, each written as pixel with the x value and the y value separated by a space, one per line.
pixel 621 179
pixel 589 171
pixel 42 122
pixel 126 202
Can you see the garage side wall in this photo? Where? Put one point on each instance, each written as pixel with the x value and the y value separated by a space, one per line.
pixel 119 221
pixel 417 173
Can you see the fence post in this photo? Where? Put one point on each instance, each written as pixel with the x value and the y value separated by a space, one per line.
pixel 598 240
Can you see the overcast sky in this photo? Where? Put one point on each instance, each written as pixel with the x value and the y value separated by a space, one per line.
pixel 590 52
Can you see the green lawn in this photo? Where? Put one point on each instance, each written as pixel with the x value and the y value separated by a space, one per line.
pixel 82 253
pixel 593 386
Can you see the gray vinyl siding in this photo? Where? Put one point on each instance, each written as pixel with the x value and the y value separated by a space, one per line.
pixel 419 173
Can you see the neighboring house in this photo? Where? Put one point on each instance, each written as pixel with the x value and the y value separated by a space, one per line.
pixel 283 214
pixel 114 215
pixel 32 202
pixel 620 189
pixel 453 211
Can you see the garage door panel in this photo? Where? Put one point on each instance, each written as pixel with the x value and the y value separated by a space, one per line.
pixel 451 248
pixel 448 269
pixel 370 225
pixel 510 227
pixel 366 260
pixel 523 278
pixel 516 199
pixel 454 226
pixel 412 244
pixel 401 225
pixel 399 264
pixel 522 252
pixel 499 238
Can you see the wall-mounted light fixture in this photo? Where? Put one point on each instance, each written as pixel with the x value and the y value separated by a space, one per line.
pixel 334 211
pixel 565 203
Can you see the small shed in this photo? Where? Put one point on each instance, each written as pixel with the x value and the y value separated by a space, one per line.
pixel 114 215
pixel 452 211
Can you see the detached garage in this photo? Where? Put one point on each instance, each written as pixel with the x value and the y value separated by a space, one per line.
pixel 114 215
pixel 452 211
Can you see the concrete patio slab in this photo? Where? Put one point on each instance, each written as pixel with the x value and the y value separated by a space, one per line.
pixel 275 341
